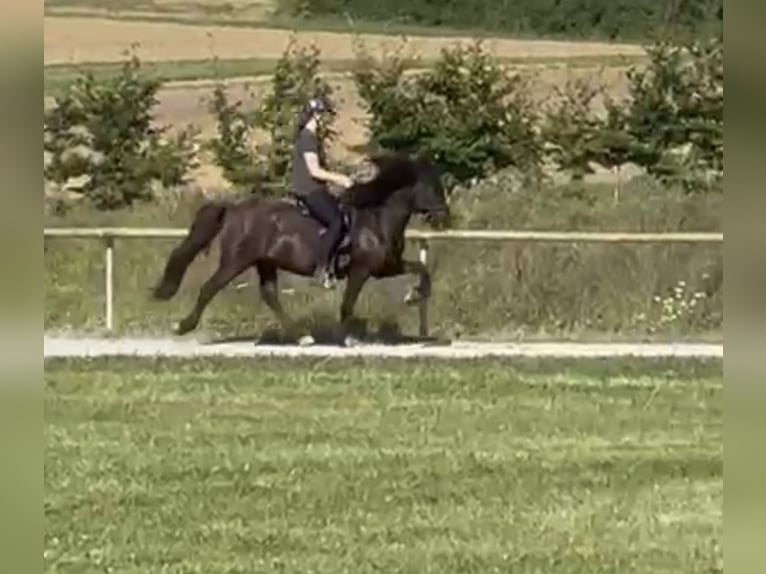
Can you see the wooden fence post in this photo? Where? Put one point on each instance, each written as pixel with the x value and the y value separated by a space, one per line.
pixel 109 281
pixel 423 304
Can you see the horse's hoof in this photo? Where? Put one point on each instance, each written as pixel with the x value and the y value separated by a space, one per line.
pixel 412 297
pixel 306 341
pixel 181 328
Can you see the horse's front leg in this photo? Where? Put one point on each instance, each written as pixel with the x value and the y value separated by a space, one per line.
pixel 419 291
pixel 356 280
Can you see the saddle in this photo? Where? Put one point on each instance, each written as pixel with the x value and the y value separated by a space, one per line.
pixel 298 202
pixel 342 256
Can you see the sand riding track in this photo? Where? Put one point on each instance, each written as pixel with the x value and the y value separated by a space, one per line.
pixel 93 347
pixel 79 40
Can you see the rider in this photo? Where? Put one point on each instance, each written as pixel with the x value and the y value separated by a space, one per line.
pixel 310 182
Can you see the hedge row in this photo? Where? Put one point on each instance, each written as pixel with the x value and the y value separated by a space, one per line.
pixel 613 19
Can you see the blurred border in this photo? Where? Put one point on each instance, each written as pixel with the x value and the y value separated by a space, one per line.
pixel 744 295
pixel 21 294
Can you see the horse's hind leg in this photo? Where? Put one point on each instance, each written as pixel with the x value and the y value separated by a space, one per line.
pixel 267 274
pixel 228 269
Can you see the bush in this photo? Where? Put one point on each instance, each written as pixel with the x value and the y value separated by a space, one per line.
pixel 674 113
pixel 572 131
pixel 247 164
pixel 476 119
pixel 233 150
pixel 466 112
pixel 103 131
pixel 624 19
pixel 671 122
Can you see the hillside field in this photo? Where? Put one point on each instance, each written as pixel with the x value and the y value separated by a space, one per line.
pixel 76 40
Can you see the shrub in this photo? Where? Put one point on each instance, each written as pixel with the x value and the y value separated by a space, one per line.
pixel 233 150
pixel 466 112
pixel 103 131
pixel 571 129
pixel 671 122
pixel 245 163
pixel 674 113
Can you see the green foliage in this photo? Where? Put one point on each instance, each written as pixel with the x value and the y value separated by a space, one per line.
pixel 615 144
pixel 675 113
pixel 571 129
pixel 670 123
pixel 232 148
pixel 103 131
pixel 466 112
pixel 612 19
pixel 249 164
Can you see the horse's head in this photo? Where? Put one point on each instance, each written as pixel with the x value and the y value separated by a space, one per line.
pixel 415 180
pixel 429 197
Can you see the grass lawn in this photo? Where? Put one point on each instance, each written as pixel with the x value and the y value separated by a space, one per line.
pixel 383 466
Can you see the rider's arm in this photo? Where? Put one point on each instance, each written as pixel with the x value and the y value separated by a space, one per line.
pixel 318 172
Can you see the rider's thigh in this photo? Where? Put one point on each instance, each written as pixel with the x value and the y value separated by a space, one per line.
pixel 322 206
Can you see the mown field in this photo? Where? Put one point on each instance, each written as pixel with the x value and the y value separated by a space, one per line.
pixel 369 466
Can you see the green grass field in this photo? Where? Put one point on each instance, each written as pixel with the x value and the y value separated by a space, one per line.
pixel 381 466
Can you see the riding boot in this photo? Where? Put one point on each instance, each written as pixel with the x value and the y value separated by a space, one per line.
pixel 325 272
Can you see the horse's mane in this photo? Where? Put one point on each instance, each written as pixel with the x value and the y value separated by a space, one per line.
pixel 394 172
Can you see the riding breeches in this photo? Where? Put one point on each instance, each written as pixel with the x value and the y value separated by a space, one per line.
pixel 324 207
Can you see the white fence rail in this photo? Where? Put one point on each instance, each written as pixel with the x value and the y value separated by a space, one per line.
pixel 109 235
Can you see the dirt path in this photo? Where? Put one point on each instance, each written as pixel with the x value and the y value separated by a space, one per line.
pixel 66 347
pixel 75 40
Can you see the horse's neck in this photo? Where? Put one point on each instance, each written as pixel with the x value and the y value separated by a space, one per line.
pixel 392 217
pixel 395 219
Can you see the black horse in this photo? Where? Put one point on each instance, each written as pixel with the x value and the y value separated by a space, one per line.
pixel 272 234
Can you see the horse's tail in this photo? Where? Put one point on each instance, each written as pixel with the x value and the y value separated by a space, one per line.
pixel 207 223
